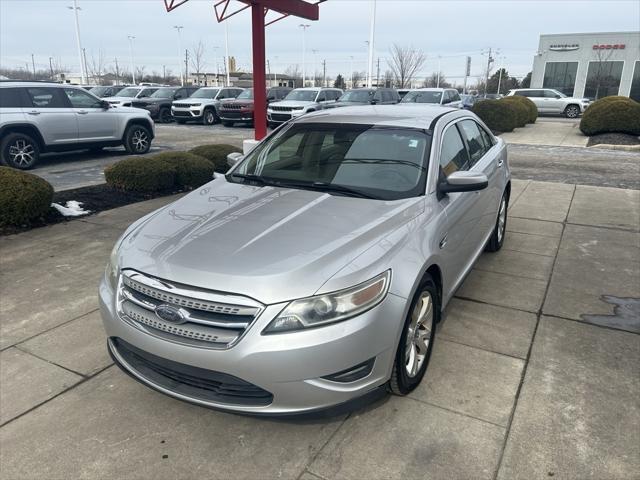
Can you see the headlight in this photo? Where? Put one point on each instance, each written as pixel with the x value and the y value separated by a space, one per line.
pixel 196 104
pixel 113 269
pixel 331 307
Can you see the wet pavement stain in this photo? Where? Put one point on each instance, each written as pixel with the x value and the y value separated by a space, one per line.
pixel 626 314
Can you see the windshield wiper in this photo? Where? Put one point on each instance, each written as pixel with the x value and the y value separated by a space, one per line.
pixel 329 187
pixel 382 160
pixel 256 178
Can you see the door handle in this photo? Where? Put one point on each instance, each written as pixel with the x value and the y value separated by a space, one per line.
pixel 500 161
pixel 33 112
pixel 82 112
pixel 443 242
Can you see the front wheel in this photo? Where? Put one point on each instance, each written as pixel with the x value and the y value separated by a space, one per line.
pixel 497 237
pixel 416 342
pixel 572 111
pixel 137 139
pixel 209 117
pixel 20 151
pixel 165 116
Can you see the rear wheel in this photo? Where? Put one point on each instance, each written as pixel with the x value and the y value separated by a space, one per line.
pixel 497 237
pixel 19 150
pixel 416 342
pixel 165 115
pixel 137 139
pixel 209 117
pixel 572 111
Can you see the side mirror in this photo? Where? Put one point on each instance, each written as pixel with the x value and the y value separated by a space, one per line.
pixel 105 105
pixel 233 158
pixel 463 182
pixel 558 96
pixel 374 101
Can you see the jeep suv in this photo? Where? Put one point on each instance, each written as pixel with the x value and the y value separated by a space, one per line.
pixel 367 96
pixel 158 104
pixel 103 91
pixel 203 105
pixel 439 96
pixel 240 110
pixel 549 100
pixel 40 117
pixel 299 102
pixel 125 96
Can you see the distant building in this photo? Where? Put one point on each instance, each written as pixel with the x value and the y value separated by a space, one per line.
pixel 238 79
pixel 591 65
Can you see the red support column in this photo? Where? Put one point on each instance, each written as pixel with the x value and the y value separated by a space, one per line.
pixel 259 80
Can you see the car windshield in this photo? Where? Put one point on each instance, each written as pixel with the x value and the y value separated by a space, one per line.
pixel 163 93
pixel 205 93
pixel 246 94
pixel 368 161
pixel 302 95
pixel 562 95
pixel 129 92
pixel 99 91
pixel 357 96
pixel 418 96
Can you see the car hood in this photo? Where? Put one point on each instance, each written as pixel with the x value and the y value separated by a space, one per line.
pixel 270 244
pixel 151 101
pixel 346 104
pixel 291 103
pixel 119 99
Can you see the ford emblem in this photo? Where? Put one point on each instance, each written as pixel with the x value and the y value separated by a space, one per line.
pixel 170 314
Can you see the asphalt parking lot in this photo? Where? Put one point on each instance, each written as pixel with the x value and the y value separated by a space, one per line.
pixel 534 374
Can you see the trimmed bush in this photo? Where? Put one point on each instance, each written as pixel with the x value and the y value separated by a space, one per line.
pixel 611 115
pixel 141 174
pixel 520 110
pixel 499 116
pixel 24 197
pixel 529 105
pixel 191 170
pixel 216 154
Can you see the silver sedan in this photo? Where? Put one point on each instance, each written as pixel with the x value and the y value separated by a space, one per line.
pixel 314 271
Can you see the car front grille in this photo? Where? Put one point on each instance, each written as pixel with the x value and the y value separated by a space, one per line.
pixel 276 108
pixel 182 105
pixel 202 318
pixel 180 114
pixel 231 106
pixel 185 380
pixel 227 114
pixel 279 117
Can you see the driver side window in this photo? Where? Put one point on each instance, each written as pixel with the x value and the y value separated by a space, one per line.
pixel 80 99
pixel 453 154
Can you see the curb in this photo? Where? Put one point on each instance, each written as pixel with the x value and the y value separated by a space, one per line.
pixel 609 146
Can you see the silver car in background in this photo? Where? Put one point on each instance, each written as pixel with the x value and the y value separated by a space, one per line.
pixel 448 97
pixel 552 101
pixel 314 271
pixel 129 94
pixel 300 102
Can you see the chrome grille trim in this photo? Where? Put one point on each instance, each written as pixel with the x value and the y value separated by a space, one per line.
pixel 209 319
pixel 280 109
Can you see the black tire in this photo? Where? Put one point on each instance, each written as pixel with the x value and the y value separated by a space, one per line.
pixel 164 116
pixel 179 121
pixel 137 139
pixel 402 381
pixel 497 237
pixel 19 150
pixel 209 117
pixel 227 124
pixel 572 111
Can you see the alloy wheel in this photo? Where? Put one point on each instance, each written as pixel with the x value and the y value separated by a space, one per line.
pixel 502 219
pixel 210 118
pixel 572 111
pixel 22 153
pixel 140 140
pixel 419 334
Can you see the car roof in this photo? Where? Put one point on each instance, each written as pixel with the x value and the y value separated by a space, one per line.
pixel 431 89
pixel 389 115
pixel 27 83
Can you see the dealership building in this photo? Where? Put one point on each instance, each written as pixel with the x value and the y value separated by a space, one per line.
pixel 591 65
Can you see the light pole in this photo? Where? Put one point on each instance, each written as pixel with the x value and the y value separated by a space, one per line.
pixel 83 67
pixel 133 71
pixel 371 37
pixel 502 59
pixel 227 64
pixel 179 30
pixel 275 71
pixel 304 52
pixel 351 66
pixel 215 62
pixel 438 81
pixel 315 61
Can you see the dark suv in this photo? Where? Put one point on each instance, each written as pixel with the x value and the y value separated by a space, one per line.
pixel 367 96
pixel 241 109
pixel 159 103
pixel 104 91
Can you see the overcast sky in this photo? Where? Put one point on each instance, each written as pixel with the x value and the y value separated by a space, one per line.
pixel 450 29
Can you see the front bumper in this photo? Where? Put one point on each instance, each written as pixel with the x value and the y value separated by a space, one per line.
pixel 236 115
pixel 187 113
pixel 288 366
pixel 282 116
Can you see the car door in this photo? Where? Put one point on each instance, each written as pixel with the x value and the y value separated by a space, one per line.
pixel 95 123
pixel 463 210
pixel 51 112
pixel 454 99
pixel 485 159
pixel 537 97
pixel 321 100
pixel 553 102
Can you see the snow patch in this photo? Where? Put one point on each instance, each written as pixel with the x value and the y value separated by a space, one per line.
pixel 71 209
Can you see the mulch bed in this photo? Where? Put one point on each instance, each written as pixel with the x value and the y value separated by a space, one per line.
pixel 96 198
pixel 613 139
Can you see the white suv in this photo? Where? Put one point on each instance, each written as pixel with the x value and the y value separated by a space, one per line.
pixel 37 117
pixel 203 105
pixel 301 101
pixel 549 100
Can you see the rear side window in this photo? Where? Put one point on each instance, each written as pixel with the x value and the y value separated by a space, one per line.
pixel 453 155
pixel 455 96
pixel 13 98
pixel 475 142
pixel 42 97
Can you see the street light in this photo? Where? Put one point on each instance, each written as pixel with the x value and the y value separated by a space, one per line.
pixel 133 71
pixel 304 48
pixel 83 67
pixel 371 39
pixel 351 66
pixel 179 29
pixel 315 62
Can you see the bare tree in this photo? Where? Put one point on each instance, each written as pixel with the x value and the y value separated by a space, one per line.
pixel 293 71
pixel 404 63
pixel 97 66
pixel 600 78
pixel 388 79
pixel 356 78
pixel 197 59
pixel 436 80
pixel 140 75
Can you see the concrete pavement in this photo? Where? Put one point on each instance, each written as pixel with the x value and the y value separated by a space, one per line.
pixel 548 132
pixel 534 372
